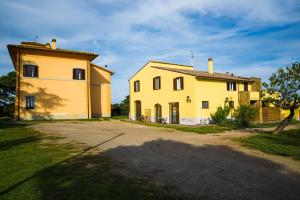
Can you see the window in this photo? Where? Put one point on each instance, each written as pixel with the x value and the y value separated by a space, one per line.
pixel 136 86
pixel 178 83
pixel 156 83
pixel 29 102
pixel 30 71
pixel 231 86
pixel 78 74
pixel 245 86
pixel 205 105
pixel 231 104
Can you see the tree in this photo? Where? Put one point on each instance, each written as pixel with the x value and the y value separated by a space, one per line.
pixel 244 114
pixel 283 91
pixel 220 116
pixel 122 108
pixel 7 93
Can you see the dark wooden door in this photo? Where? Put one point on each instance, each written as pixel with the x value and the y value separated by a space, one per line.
pixel 174 113
pixel 138 110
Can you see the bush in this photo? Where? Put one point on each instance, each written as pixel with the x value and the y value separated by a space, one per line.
pixel 220 116
pixel 244 114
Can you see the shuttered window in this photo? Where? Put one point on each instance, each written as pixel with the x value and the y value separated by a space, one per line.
pixel 78 74
pixel 245 86
pixel 178 83
pixel 231 86
pixel 136 86
pixel 30 70
pixel 156 83
pixel 29 102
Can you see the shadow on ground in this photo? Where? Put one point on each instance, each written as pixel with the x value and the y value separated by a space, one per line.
pixel 179 171
pixel 208 172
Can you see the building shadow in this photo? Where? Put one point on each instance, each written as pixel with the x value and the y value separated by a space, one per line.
pixel 179 171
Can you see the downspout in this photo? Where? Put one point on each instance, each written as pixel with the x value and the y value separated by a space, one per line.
pixel 88 88
pixel 19 85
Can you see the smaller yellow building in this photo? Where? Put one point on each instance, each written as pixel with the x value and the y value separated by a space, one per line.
pixel 54 83
pixel 179 94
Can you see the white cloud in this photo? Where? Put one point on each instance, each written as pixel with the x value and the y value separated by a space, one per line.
pixel 127 34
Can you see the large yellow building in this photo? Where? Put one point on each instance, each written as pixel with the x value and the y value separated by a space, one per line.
pixel 180 94
pixel 54 83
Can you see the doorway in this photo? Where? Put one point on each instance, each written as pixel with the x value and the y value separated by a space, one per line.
pixel 138 110
pixel 157 110
pixel 174 113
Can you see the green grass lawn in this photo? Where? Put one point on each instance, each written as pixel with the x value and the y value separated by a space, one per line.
pixel 286 144
pixel 196 129
pixel 271 124
pixel 34 166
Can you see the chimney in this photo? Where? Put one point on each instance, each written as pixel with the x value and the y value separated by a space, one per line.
pixel 210 66
pixel 53 44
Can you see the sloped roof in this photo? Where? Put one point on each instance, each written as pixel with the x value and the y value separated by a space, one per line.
pixel 206 75
pixel 44 47
pixel 103 68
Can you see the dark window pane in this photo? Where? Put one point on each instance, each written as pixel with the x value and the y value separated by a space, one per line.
pixel 205 104
pixel 245 86
pixel 79 74
pixel 231 104
pixel 30 71
pixel 29 102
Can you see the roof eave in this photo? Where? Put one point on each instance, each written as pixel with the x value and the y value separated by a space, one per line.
pixel 91 56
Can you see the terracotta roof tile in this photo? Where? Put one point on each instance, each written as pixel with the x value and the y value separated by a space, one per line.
pixel 206 75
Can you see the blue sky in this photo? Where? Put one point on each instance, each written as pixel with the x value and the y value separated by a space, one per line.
pixel 250 38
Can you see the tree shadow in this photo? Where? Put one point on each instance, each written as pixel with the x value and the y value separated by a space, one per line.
pixel 7 144
pixel 179 171
pixel 45 104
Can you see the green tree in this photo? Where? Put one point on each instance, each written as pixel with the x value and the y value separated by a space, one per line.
pixel 125 106
pixel 244 114
pixel 7 93
pixel 283 91
pixel 220 116
pixel 120 109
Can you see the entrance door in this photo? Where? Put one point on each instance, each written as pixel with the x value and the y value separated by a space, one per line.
pixel 174 113
pixel 157 110
pixel 138 110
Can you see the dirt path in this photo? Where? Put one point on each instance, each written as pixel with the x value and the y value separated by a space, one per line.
pixel 209 166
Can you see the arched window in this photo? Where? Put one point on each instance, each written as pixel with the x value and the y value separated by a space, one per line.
pixel 30 70
pixel 157 110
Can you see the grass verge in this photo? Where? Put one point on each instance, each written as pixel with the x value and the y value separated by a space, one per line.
pixel 196 129
pixel 31 167
pixel 286 144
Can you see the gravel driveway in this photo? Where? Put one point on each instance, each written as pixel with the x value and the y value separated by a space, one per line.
pixel 209 166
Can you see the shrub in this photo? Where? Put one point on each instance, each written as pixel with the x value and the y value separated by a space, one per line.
pixel 220 116
pixel 244 114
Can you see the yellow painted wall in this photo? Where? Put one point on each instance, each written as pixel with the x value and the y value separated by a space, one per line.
pixel 100 92
pixel 165 95
pixel 57 95
pixel 214 91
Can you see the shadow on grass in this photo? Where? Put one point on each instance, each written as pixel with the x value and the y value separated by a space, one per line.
pixel 7 144
pixel 182 171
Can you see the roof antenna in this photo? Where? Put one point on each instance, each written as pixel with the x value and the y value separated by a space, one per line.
pixel 36 37
pixel 192 58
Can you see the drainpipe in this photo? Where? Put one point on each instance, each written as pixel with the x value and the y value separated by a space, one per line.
pixel 19 85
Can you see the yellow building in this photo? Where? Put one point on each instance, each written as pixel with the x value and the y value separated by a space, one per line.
pixel 54 83
pixel 180 94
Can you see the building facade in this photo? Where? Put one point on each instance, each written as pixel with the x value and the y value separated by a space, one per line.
pixel 55 83
pixel 179 94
